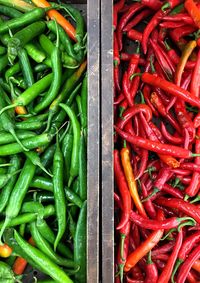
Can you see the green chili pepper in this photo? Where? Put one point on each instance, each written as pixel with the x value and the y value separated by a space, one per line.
pixel 45 247
pixel 22 229
pixel 3 62
pixel 18 193
pixel 7 123
pixel 48 234
pixel 7 138
pixel 26 125
pixel 22 37
pixel 24 20
pixel 42 183
pixel 35 159
pixel 31 93
pixel 26 67
pixel 35 53
pixel 64 94
pixel 6 191
pixel 84 105
pixel 12 71
pixel 63 37
pixel 73 197
pixel 4 178
pixel 42 260
pixel 58 189
pixel 80 250
pixel 30 143
pixel 47 157
pixel 83 169
pixel 41 197
pixel 10 12
pixel 56 81
pixel 49 210
pixel 2 50
pixel 72 226
pixel 74 167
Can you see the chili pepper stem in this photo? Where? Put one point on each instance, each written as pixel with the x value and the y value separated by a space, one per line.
pixel 123 237
pixel 195 200
pixel 18 141
pixel 8 107
pixel 155 191
pixel 178 263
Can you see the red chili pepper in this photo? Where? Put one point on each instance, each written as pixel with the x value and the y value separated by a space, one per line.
pixel 171 88
pixel 184 119
pixel 122 107
pixel 164 63
pixel 157 132
pixel 171 25
pixel 158 104
pixel 126 88
pixel 137 273
pixel 145 247
pixel 178 34
pixel 119 98
pixel 163 249
pixel 117 7
pixel 169 137
pixel 123 189
pixel 166 224
pixel 151 271
pixel 181 205
pixel 175 58
pixel 132 111
pixel 148 205
pixel 133 64
pixel 193 188
pixel 143 164
pixel 156 146
pixel 134 35
pixel 137 19
pixel 146 94
pixel 186 248
pixel 127 57
pixel 171 4
pixel 181 17
pixel 197 121
pixel 186 266
pixel 129 280
pixel 161 36
pixel 116 64
pixel 195 82
pixel 193 11
pixel 150 27
pixel 167 271
pixel 152 4
pixel 172 191
pixel 136 7
pixel 183 60
pixel 135 85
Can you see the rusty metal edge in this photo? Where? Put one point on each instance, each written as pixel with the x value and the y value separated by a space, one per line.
pixel 93 28
pixel 107 212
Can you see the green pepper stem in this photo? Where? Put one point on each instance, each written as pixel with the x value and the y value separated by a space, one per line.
pixel 177 264
pixel 155 191
pixel 17 140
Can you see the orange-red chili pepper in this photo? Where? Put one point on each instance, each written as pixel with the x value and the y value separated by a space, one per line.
pixel 193 11
pixel 125 158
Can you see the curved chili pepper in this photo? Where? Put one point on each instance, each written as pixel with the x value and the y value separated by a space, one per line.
pixel 146 94
pixel 166 224
pixel 123 189
pixel 125 158
pixel 186 266
pixel 171 25
pixel 183 60
pixel 148 205
pixel 180 17
pixel 187 246
pixel 116 62
pixel 137 19
pixel 179 204
pixel 156 146
pixel 193 11
pixel 116 8
pixel 145 247
pixel 195 84
pixel 166 272
pixel 170 161
pixel 126 89
pixel 169 137
pixel 150 27
pixel 132 111
pixel 171 88
pixel 163 249
pixel 136 7
pixel 152 4
pixel 172 191
pixel 178 34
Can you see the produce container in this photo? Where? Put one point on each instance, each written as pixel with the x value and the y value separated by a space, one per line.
pixel 91 11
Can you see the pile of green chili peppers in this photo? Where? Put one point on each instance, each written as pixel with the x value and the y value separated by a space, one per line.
pixel 43 142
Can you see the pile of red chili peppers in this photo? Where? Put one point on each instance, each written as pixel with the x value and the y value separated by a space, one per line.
pixel 157 140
